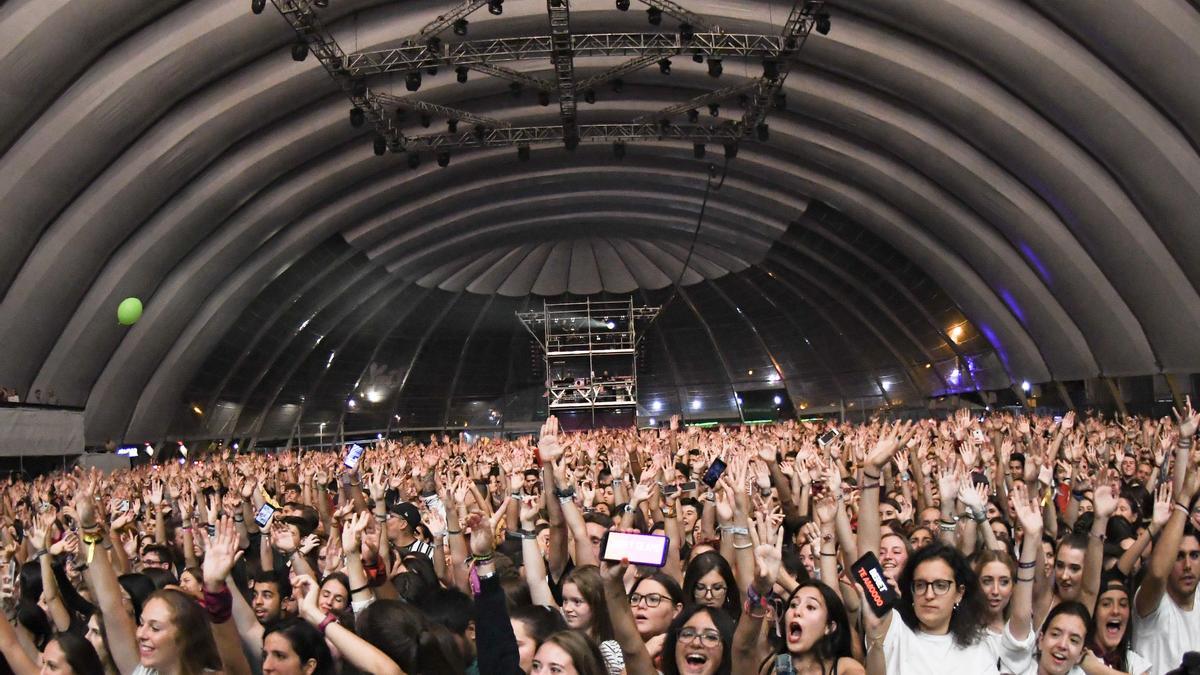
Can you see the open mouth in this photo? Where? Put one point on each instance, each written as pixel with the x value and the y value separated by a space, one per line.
pixel 695 661
pixel 1113 628
pixel 1059 657
pixel 794 631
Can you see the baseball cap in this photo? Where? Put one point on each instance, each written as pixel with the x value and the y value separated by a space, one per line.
pixel 408 512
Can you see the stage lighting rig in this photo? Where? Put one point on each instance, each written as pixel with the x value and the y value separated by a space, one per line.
pixel 412 81
pixel 654 16
pixel 443 158
pixel 495 7
pixel 257 6
pixel 623 5
pixel 664 66
pixel 460 27
pixel 357 117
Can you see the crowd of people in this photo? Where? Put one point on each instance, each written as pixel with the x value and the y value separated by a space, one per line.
pixel 1005 544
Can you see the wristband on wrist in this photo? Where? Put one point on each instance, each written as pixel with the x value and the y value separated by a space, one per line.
pixel 1022 565
pixel 329 618
pixel 733 529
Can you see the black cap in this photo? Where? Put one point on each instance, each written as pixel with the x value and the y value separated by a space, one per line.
pixel 408 512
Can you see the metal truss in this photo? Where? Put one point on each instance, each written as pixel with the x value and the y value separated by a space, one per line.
pixel 444 21
pixel 627 67
pixel 515 76
pixel 588 133
pixel 684 16
pixel 699 102
pixel 800 23
pixel 303 19
pixel 562 56
pixel 476 53
pixel 441 110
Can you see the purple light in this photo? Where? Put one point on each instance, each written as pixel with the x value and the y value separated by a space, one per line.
pixel 1035 261
pixel 955 376
pixel 1012 304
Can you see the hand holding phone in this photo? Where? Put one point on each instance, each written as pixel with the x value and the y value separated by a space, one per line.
pixel 638 549
pixel 868 573
pixel 353 456
pixel 264 515
pixel 713 474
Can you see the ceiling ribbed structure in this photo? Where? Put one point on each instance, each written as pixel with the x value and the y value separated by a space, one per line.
pixel 1027 169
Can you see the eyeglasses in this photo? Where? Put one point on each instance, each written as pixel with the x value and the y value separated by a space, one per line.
pixel 718 589
pixel 652 599
pixel 708 638
pixel 940 586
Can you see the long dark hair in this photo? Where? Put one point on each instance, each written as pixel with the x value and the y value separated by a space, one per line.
pixel 32 617
pixel 1073 608
pixel 306 641
pixel 540 621
pixel 587 579
pixel 720 619
pixel 703 564
pixel 79 653
pixel 1118 658
pixel 836 643
pixel 967 618
pixel 193 634
pixel 402 631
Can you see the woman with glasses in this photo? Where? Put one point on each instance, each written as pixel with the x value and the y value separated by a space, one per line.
pixel 656 599
pixel 709 581
pixel 939 623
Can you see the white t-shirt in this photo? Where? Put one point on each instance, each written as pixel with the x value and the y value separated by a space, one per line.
pixel 1166 633
pixel 1012 656
pixel 1137 666
pixel 908 652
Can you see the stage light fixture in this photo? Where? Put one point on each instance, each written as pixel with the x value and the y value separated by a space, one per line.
pixel 664 66
pixel 664 125
pixel 357 117
pixel 299 51
pixel 412 81
pixel 589 96
pixel 320 4
pixel 731 150
pixel 698 150
pixel 823 23
pixel 543 98
pixel 617 85
pixel 480 132
pixel 496 7
pixel 698 57
pixel 771 69
pixel 460 27
pixel 452 125
pixel 693 116
pixel 619 150
pixel 623 5
pixel 434 44
pixel 358 88
pixel 257 6
pixel 431 71
pixel 426 120
pixel 379 145
pixel 443 158
pixel 571 142
pixel 654 16
pixel 515 88
pixel 461 72
pixel 714 109
pixel 686 32
pixel 714 68
pixel 780 100
pixel 523 153
pixel 414 160
pixel 762 131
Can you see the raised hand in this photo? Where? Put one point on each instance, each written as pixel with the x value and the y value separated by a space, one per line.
pixel 1028 510
pixel 768 558
pixel 1104 500
pixel 483 538
pixel 548 442
pixel 220 555
pixel 1188 419
pixel 1162 506
pixel 352 531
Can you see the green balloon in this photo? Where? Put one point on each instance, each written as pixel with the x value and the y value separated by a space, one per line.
pixel 129 311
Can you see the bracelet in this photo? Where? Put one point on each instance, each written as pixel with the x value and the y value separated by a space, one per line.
pixel 453 532
pixel 870 486
pixel 627 508
pixel 521 534
pixel 832 555
pixel 668 512
pixel 239 518
pixel 749 609
pixel 1021 578
pixel 515 495
pixel 875 643
pixel 566 500
pixel 743 546
pixel 867 475
pixel 1021 565
pixel 617 481
pixel 1181 507
pixel 732 529
pixel 483 558
pixel 329 618
pixel 1100 536
pixel 360 589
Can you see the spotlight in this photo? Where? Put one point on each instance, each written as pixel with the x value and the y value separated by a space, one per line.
pixel 714 109
pixel 452 125
pixel 714 68
pixel 480 132
pixel 523 153
pixel 731 149
pixel 379 145
pixel 394 145
pixel 460 27
pixel 619 150
pixel 443 158
pixel 618 84
pixel 431 71
pixel 357 117
pixel 654 16
pixel 426 120
pixel 771 69
pixel 823 23
pixel 686 32
pixel 515 88
pixel 589 96
pixel 698 150
pixel 434 44
pixel 780 100
pixel 763 131
pixel 698 57
pixel 664 66
pixel 299 51
pixel 461 72
pixel 543 98
pixel 571 142
pixel 414 160
pixel 257 6
pixel 623 5
pixel 496 7
pixel 412 81
pixel 693 116
pixel 664 126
